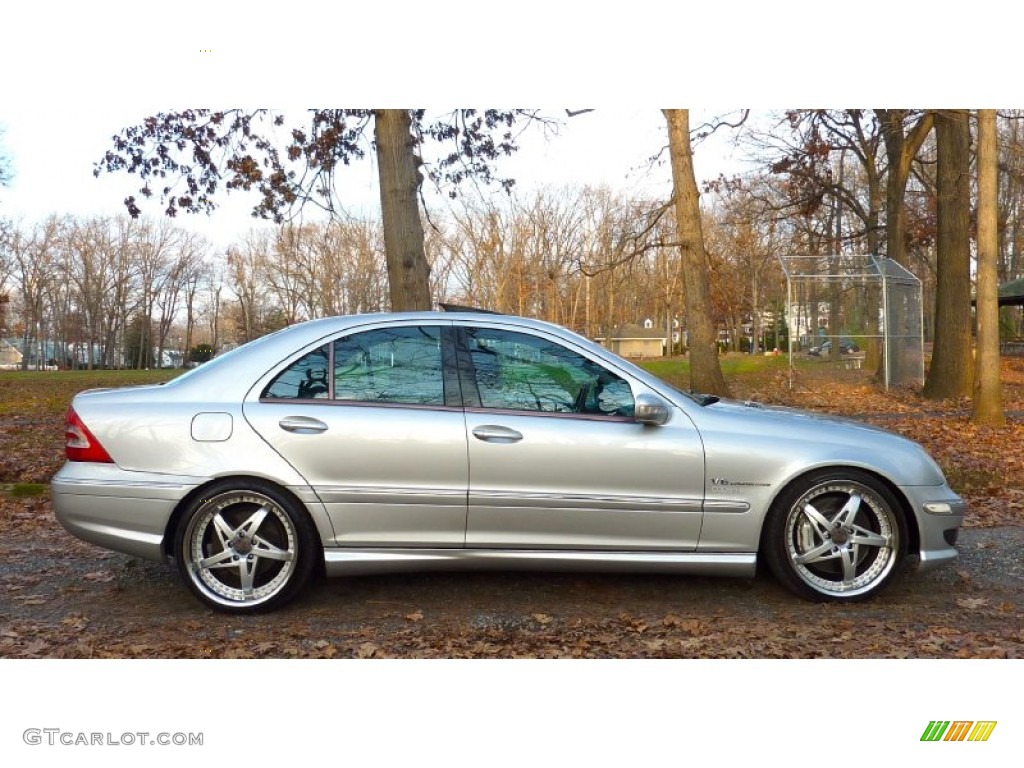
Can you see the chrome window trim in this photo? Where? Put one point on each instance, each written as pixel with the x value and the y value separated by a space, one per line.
pixel 359 404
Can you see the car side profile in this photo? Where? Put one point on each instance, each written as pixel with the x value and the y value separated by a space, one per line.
pixel 411 441
pixel 846 347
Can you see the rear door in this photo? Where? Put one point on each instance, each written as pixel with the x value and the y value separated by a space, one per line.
pixel 373 420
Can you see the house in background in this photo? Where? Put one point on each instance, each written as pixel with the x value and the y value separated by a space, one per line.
pixel 1011 321
pixel 631 340
pixel 10 357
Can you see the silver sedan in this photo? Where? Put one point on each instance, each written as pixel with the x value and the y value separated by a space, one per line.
pixel 400 442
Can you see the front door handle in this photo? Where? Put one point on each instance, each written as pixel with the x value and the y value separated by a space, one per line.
pixel 492 433
pixel 303 425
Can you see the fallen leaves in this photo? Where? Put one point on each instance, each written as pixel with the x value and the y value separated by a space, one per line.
pixel 979 630
pixel 972 603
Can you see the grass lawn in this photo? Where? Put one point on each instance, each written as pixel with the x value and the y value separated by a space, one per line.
pixel 676 370
pixel 34 394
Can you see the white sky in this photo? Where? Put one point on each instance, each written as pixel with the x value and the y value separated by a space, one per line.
pixel 73 75
pixel 611 146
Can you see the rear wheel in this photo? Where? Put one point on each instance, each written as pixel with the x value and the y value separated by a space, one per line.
pixel 837 535
pixel 245 547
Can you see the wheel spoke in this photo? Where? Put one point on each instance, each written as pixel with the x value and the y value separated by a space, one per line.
pixel 224 531
pixel 849 560
pixel 824 551
pixel 264 549
pixel 220 560
pixel 849 511
pixel 246 572
pixel 866 538
pixel 250 526
pixel 819 521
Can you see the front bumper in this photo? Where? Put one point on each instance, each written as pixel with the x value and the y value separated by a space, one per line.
pixel 940 513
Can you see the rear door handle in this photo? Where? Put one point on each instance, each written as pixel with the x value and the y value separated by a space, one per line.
pixel 303 425
pixel 492 433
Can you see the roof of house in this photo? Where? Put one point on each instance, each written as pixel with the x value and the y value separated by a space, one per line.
pixel 1012 293
pixel 634 331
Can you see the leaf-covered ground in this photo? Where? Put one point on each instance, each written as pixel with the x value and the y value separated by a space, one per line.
pixel 62 598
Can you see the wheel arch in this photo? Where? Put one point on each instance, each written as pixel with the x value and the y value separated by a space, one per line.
pixel 186 501
pixel 909 516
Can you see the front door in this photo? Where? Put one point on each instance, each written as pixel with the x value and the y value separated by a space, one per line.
pixel 556 460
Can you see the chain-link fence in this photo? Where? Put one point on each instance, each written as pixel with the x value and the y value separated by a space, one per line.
pixel 854 312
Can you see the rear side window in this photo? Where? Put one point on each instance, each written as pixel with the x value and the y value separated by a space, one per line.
pixel 390 365
pixel 305 379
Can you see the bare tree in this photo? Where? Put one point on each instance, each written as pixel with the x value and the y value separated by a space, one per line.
pixel 951 374
pixel 35 267
pixel 397 165
pixel 745 237
pixel 1011 195
pixel 180 270
pixel 246 267
pixel 235 149
pixel 705 371
pixel 988 397
pixel 904 131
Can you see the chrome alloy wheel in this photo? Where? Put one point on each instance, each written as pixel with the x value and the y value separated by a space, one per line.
pixel 842 538
pixel 240 549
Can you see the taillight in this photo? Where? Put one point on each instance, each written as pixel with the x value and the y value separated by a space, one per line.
pixel 81 444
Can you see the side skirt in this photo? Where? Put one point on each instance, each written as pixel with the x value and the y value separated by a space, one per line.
pixel 340 562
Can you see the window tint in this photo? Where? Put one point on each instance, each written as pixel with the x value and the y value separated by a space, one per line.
pixel 390 365
pixel 520 372
pixel 304 379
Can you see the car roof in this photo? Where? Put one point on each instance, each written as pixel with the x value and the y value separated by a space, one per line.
pixel 233 372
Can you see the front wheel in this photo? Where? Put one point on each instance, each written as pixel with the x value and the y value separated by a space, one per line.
pixel 836 536
pixel 245 547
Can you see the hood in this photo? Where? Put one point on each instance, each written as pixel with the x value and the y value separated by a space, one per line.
pixel 813 439
pixel 782 414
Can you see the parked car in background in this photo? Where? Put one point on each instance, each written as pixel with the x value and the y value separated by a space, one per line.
pixel 846 347
pixel 401 442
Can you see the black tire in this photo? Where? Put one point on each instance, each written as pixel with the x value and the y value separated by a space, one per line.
pixel 245 547
pixel 835 536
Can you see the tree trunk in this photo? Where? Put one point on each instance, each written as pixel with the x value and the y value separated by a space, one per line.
pixel 398 168
pixel 988 396
pixel 705 371
pixel 950 374
pixel 901 149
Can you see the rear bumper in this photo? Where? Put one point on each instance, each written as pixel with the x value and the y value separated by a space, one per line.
pixel 116 509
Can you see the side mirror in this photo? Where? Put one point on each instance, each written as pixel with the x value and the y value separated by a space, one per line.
pixel 651 409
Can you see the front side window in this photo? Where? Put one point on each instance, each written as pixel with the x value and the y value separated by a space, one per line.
pixel 390 365
pixel 520 372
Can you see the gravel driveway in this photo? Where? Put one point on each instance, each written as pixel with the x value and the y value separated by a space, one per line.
pixel 63 598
